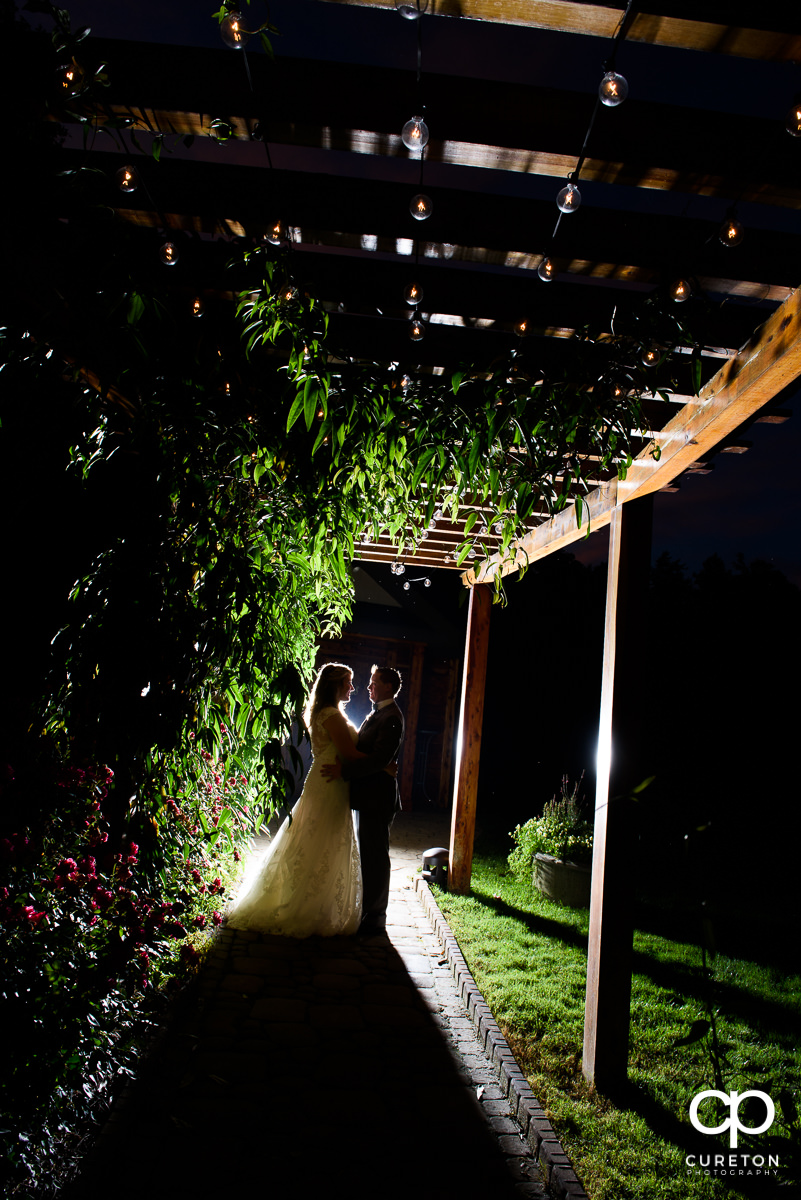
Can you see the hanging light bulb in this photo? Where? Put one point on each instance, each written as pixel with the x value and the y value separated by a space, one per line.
pixel 169 254
pixel 411 10
pixel 421 207
pixel 731 232
pixel 400 569
pixel 233 32
pixel 127 179
pixel 521 328
pixel 569 199
pixel 71 77
pixel 793 122
pixel 613 89
pixel 413 293
pixel 414 134
pixel 417 329
pixel 650 356
pixel 546 270
pixel 197 307
pixel 680 290
pixel 288 293
pixel 276 235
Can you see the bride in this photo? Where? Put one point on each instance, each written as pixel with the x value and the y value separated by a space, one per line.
pixel 310 879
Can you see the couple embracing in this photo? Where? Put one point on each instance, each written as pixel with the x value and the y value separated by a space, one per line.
pixel 321 875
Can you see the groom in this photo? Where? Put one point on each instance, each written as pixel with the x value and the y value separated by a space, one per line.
pixel 374 793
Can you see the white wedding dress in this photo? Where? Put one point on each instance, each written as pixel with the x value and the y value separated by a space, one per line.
pixel 309 881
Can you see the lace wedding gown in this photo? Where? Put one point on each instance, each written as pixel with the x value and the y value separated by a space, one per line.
pixel 309 880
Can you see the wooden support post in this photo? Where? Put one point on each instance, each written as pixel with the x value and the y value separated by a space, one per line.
pixel 465 788
pixel 620 769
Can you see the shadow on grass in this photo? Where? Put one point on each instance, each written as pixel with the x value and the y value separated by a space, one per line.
pixel 763 1013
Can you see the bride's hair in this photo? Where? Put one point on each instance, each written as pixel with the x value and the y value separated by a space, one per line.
pixel 325 690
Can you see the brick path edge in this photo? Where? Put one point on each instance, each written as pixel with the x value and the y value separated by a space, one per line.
pixel 556 1167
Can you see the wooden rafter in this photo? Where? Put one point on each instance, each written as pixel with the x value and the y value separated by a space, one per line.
pixel 765 365
pixel 566 16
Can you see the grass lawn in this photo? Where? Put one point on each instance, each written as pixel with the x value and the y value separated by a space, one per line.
pixel 528 956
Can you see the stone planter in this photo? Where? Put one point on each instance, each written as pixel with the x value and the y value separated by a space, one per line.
pixel 566 882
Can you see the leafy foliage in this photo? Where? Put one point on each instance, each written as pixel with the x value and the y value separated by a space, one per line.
pixel 562 831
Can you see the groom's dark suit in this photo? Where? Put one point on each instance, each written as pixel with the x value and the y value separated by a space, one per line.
pixel 374 794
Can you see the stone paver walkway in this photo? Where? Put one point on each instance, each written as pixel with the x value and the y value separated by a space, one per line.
pixel 328 1065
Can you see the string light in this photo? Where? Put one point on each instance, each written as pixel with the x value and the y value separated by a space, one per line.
pixel 731 232
pixel 276 235
pixel 521 328
pixel 197 307
pixel 414 134
pixel 71 77
pixel 569 199
pixel 169 254
pixel 127 179
pixel 680 290
pixel 546 270
pixel 793 122
pixel 613 89
pixel 417 329
pixel 288 293
pixel 413 293
pixel 232 31
pixel 421 207
pixel 411 11
pixel 650 356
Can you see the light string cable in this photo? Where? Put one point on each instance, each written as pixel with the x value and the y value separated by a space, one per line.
pixel 608 65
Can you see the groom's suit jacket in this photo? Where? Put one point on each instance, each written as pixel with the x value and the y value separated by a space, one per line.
pixel 380 737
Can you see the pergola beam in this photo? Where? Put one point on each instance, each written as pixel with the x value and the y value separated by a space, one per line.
pixel 566 16
pixel 765 365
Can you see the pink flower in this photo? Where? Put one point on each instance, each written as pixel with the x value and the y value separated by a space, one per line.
pixel 237 856
pixel 133 850
pixel 33 918
pixel 200 922
pixel 216 918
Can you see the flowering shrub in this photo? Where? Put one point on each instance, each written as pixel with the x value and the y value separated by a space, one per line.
pixel 96 927
pixel 561 831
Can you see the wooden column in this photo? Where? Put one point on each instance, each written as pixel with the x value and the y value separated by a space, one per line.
pixel 465 789
pixel 448 731
pixel 620 768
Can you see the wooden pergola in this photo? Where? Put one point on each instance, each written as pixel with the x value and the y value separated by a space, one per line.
pixel 509 88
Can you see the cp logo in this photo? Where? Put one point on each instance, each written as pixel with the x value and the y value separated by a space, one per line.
pixel 732 1122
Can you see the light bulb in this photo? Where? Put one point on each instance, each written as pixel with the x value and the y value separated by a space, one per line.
pixel 731 232
pixel 569 199
pixel 414 134
pixel 426 582
pixel 71 77
pixel 424 535
pixel 613 89
pixel 233 32
pixel 546 270
pixel 521 328
pixel 197 307
pixel 411 10
pixel 400 569
pixel 288 293
pixel 650 356
pixel 406 586
pixel 421 207
pixel 793 122
pixel 169 254
pixel 437 514
pixel 276 235
pixel 680 290
pixel 417 329
pixel 413 293
pixel 127 179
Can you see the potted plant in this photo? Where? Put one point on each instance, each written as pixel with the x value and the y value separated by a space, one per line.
pixel 556 848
